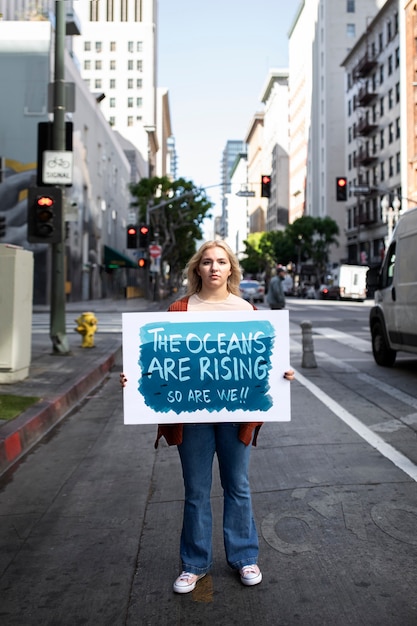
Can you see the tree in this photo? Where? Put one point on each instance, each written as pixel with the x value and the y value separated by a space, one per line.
pixel 175 211
pixel 312 238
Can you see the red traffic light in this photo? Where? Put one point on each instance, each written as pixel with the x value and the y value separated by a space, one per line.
pixel 45 201
pixel 144 230
pixel 341 189
pixel 131 230
pixel 142 262
pixel 266 179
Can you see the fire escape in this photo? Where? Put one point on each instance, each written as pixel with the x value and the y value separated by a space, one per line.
pixel 365 131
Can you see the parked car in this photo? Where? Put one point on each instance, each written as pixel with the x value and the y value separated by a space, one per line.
pixel 252 290
pixel 329 292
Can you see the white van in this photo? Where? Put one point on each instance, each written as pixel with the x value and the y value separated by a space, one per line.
pixel 393 318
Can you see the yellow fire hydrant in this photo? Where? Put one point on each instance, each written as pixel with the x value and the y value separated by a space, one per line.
pixel 87 327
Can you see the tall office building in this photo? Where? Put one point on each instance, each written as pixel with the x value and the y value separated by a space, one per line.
pixel 322 35
pixel 117 55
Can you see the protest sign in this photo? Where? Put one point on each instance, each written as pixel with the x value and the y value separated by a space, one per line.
pixel 206 367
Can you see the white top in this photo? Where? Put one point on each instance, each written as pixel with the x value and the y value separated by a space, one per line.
pixel 231 303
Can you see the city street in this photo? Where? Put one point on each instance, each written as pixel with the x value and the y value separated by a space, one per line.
pixel 91 517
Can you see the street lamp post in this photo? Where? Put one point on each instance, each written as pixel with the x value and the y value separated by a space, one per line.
pixel 390 215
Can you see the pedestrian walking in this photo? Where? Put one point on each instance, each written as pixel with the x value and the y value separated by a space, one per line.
pixel 276 296
pixel 213 275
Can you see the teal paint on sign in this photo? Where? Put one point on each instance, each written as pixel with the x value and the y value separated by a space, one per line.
pixel 188 366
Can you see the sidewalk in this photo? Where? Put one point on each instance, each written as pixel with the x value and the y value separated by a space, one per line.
pixel 62 382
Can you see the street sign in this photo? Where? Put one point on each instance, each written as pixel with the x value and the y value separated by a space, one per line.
pixel 155 251
pixel 57 167
pixel 246 194
pixel 359 190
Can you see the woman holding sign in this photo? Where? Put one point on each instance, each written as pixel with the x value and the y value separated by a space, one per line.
pixel 213 285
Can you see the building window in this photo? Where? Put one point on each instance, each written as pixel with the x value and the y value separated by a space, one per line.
pixel 381 106
pixel 87 46
pixel 350 30
pixel 112 83
pixel 397 57
pixel 130 46
pixel 87 65
pixel 391 167
pixel 138 10
pixel 112 103
pixel 130 65
pixel 381 74
pixel 389 31
pixel 112 64
pixel 139 46
pixel 98 65
pixel 382 171
pixel 99 46
pixel 130 103
pixel 350 6
pixel 381 42
pixel 130 83
pixel 390 99
pixel 112 121
pixel 123 11
pixel 139 65
pixel 397 92
pixel 94 6
pixel 397 128
pixel 139 83
pixel 113 46
pixel 390 65
pixel 391 133
pixel 130 120
pixel 139 102
pixel 398 162
pixel 110 11
pixel 97 83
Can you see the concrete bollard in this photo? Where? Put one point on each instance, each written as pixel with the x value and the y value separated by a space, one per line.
pixel 308 360
pixel 87 326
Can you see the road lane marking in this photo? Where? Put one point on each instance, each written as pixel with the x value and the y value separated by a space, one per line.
pixel 374 440
pixel 356 343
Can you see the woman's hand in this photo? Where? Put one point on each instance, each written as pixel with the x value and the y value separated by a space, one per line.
pixel 289 375
pixel 123 380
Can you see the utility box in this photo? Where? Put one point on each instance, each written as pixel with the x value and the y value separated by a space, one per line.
pixel 16 293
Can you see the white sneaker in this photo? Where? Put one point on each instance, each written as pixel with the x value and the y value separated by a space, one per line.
pixel 186 582
pixel 250 575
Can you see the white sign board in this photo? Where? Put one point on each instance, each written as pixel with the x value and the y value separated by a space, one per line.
pixel 57 167
pixel 206 367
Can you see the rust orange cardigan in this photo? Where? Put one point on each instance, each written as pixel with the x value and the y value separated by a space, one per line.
pixel 173 432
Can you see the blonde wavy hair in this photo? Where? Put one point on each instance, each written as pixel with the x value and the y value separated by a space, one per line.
pixel 194 280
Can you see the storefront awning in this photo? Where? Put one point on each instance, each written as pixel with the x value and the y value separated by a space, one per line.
pixel 113 259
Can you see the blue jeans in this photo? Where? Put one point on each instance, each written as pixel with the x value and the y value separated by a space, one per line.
pixel 200 442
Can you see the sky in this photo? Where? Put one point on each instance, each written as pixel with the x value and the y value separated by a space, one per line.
pixel 214 57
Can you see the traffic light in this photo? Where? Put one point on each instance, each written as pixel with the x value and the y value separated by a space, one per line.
pixel 142 263
pixel 143 236
pixel 2 226
pixel 265 186
pixel 341 189
pixel 45 215
pixel 132 236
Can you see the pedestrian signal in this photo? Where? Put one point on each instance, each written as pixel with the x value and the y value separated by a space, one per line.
pixel 265 186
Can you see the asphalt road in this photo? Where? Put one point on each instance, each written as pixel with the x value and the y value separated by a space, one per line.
pixel 90 518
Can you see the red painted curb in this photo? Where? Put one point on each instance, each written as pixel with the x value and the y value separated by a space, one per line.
pixel 21 434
